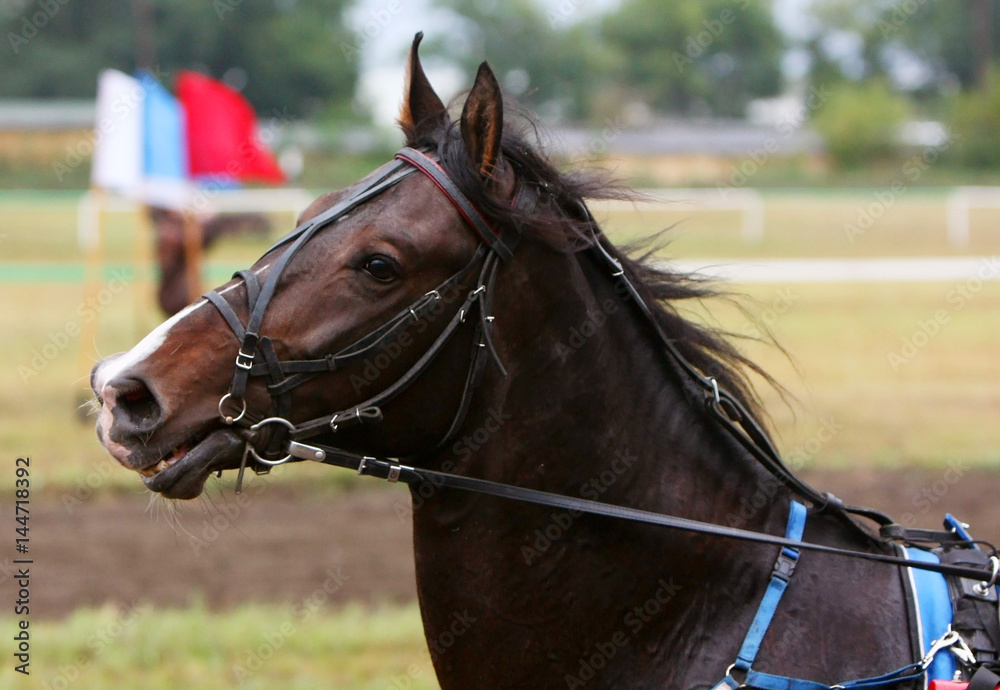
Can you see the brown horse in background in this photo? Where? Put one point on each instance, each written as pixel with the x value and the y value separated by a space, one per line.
pixel 173 255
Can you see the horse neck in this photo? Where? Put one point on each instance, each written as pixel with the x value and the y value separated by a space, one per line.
pixel 590 392
pixel 510 590
pixel 591 409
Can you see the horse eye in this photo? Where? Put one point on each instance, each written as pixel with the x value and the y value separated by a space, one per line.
pixel 381 269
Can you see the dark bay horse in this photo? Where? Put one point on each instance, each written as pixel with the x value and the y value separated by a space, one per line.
pixel 578 400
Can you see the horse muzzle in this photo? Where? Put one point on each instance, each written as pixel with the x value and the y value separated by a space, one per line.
pixel 131 427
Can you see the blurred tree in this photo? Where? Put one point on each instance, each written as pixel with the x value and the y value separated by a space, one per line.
pixel 696 56
pixel 860 122
pixel 924 46
pixel 544 58
pixel 973 119
pixel 288 56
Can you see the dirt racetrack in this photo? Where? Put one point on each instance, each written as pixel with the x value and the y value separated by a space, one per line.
pixel 276 543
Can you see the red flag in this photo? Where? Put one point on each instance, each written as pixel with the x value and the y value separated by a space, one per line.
pixel 222 132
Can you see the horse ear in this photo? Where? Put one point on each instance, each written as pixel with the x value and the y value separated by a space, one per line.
pixel 482 121
pixel 422 110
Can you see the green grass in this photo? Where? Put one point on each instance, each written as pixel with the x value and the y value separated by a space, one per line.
pixel 934 404
pixel 253 647
pixel 940 405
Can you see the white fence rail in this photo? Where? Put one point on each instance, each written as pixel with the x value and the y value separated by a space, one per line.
pixel 93 204
pixel 961 201
pixel 748 202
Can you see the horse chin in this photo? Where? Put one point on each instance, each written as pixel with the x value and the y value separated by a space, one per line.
pixel 185 477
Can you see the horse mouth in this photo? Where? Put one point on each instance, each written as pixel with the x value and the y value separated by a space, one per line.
pixel 168 461
pixel 182 472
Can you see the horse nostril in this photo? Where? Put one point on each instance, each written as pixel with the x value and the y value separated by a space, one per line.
pixel 136 402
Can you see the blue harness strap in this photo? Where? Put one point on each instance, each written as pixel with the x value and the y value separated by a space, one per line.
pixel 784 567
pixel 934 614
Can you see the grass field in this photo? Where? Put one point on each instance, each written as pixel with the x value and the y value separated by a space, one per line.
pixel 939 403
pixel 293 647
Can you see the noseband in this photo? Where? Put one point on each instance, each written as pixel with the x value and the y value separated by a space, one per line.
pixel 256 356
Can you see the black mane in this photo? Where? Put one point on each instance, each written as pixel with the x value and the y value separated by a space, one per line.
pixel 561 221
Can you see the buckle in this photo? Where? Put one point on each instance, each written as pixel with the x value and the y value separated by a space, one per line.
pixel 784 567
pixel 248 358
pixel 306 452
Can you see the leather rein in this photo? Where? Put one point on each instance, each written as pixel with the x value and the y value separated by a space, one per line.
pixel 282 441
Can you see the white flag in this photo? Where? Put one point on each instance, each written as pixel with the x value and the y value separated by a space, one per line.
pixel 117 163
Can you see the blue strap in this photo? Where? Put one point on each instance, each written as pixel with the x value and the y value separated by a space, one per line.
pixel 930 591
pixel 784 566
pixel 766 681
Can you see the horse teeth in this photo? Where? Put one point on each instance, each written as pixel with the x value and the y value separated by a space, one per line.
pixel 155 469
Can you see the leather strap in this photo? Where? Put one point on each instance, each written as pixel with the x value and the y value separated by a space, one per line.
pixel 727 410
pixel 984 679
pixel 895 532
pixel 312 428
pixel 503 245
pixel 385 469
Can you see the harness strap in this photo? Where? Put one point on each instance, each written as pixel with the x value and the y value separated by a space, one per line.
pixel 727 410
pixel 298 238
pixel 502 243
pixel 784 568
pixel 895 532
pixel 282 404
pixel 228 313
pixel 984 679
pixel 394 471
pixel 346 417
pixel 252 283
pixel 767 681
pixel 482 342
pixel 305 370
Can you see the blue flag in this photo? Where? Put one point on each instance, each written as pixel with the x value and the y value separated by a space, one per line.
pixel 164 147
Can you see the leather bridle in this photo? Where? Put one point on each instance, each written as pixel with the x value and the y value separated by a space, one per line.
pixel 257 358
pixel 284 440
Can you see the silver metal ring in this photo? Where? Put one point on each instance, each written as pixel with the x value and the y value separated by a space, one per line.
pixel 715 389
pixel 229 419
pixel 983 587
pixel 258 425
pixel 269 463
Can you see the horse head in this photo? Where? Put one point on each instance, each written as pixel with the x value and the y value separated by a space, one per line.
pixel 380 279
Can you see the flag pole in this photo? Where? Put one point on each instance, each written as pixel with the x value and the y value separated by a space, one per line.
pixel 92 221
pixel 144 300
pixel 193 243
